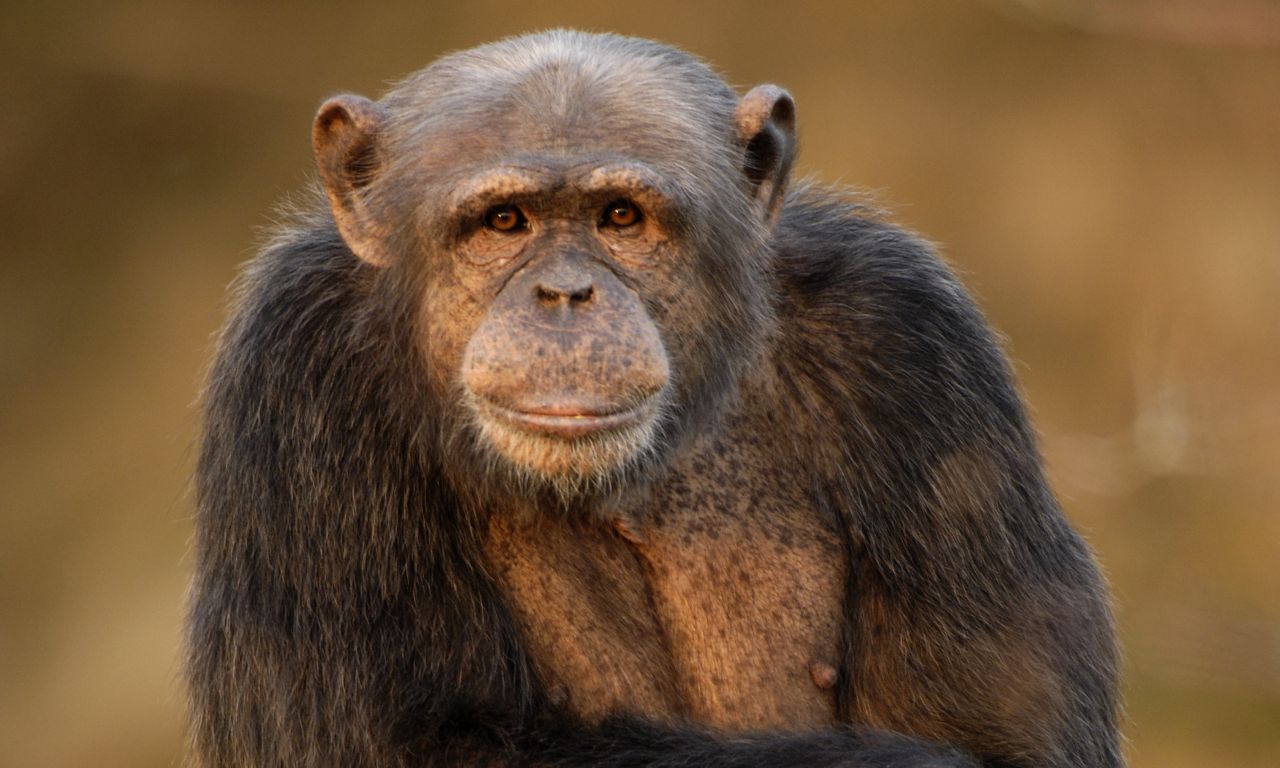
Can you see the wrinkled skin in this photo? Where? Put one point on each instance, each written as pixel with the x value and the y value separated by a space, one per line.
pixel 568 432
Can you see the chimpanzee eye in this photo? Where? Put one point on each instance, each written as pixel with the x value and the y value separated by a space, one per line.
pixel 505 218
pixel 620 213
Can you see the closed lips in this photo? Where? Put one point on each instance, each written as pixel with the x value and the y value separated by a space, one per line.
pixel 570 421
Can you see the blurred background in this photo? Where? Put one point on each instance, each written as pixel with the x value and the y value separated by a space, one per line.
pixel 1105 174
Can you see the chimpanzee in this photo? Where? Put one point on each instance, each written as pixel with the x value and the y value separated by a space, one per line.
pixel 564 430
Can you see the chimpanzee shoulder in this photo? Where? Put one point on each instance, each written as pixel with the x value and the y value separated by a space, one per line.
pixel 884 303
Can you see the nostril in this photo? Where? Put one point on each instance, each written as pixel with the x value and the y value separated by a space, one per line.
pixel 546 295
pixel 582 295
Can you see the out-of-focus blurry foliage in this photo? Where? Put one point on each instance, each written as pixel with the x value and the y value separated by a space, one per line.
pixel 1105 175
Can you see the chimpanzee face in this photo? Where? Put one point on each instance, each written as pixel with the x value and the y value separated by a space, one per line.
pixel 591 267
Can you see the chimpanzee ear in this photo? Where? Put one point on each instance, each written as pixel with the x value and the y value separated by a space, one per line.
pixel 345 141
pixel 766 125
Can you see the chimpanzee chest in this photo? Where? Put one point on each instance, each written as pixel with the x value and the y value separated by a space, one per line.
pixel 720 600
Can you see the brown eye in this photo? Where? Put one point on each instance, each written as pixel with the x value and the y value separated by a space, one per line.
pixel 621 213
pixel 504 218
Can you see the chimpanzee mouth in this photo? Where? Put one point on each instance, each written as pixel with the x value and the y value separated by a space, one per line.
pixel 574 446
pixel 571 420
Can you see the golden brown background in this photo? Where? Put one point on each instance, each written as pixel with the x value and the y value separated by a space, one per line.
pixel 1104 173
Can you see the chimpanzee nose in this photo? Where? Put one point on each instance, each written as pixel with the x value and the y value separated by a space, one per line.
pixel 564 290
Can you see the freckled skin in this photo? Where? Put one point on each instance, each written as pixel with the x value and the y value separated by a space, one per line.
pixel 747 582
pixel 741 587
pixel 566 431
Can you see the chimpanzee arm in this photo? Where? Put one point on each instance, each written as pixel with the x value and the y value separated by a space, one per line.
pixel 977 615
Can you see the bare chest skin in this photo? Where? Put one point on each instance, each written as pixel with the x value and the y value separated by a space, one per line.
pixel 715 601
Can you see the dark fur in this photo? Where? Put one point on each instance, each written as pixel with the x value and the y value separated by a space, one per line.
pixel 344 614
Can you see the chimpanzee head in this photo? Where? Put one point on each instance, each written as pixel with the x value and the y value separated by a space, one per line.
pixel 582 223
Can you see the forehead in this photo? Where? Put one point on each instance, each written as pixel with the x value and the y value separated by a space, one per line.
pixel 565 101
